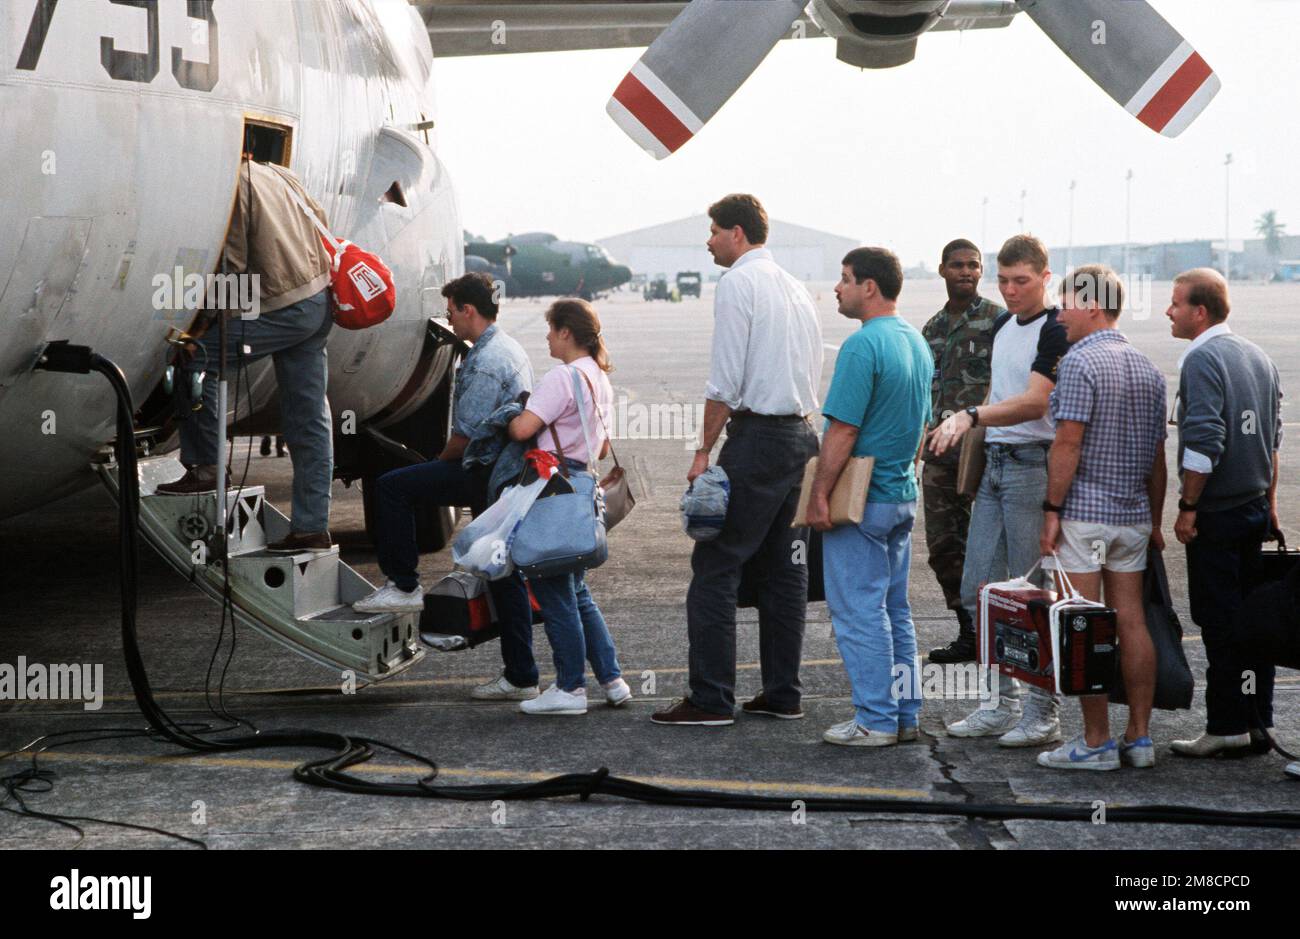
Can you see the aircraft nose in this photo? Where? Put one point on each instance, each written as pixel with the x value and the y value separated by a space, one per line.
pixel 621 274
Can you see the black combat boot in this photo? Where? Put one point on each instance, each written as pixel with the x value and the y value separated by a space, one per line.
pixel 961 649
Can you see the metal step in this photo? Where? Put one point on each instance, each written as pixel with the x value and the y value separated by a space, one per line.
pixel 302 601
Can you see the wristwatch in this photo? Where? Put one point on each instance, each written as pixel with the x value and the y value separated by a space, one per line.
pixel 974 414
pixel 1048 507
pixel 1184 506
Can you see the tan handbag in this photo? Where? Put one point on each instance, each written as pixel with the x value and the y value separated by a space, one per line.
pixel 848 499
pixel 970 465
pixel 616 485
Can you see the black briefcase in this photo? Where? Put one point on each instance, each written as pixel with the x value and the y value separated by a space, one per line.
pixel 1267 627
pixel 1273 564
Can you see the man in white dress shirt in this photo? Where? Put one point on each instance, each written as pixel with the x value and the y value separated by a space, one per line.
pixel 764 374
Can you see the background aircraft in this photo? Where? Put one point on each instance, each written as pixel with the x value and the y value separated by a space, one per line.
pixel 537 264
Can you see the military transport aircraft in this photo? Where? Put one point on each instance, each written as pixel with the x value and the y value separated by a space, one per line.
pixel 537 264
pixel 127 119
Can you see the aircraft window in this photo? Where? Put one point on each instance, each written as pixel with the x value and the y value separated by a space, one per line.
pixel 394 195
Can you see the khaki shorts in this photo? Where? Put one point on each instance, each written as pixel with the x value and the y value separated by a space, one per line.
pixel 1087 547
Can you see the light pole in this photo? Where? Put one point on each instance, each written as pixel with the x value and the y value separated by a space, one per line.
pixel 1128 221
pixel 1021 220
pixel 984 228
pixel 1069 244
pixel 1227 210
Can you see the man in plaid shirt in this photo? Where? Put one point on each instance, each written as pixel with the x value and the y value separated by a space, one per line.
pixel 1105 494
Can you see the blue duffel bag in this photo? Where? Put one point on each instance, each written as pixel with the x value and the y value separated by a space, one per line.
pixel 563 532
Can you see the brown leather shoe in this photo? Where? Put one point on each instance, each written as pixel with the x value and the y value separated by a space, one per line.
pixel 685 714
pixel 197 479
pixel 760 705
pixel 299 541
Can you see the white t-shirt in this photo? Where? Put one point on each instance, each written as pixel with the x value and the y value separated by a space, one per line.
pixel 1019 349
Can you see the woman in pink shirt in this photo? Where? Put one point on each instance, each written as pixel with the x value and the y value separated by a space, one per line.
pixel 574 624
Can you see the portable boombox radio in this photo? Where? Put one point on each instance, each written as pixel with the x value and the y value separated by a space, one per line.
pixel 1065 645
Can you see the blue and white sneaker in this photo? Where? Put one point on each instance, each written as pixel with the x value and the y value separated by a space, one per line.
pixel 1140 753
pixel 1076 754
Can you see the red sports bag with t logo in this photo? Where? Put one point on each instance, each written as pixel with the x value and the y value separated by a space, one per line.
pixel 361 285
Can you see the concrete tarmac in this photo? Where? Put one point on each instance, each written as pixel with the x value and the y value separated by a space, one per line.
pixel 60 604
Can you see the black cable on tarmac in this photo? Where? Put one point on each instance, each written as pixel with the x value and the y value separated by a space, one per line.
pixel 346 752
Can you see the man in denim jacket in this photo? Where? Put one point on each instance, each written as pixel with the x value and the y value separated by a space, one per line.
pixel 492 376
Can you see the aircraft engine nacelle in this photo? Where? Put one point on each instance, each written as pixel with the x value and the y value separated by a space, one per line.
pixel 876 33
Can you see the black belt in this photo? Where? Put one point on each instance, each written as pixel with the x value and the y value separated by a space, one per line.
pixel 993 445
pixel 773 418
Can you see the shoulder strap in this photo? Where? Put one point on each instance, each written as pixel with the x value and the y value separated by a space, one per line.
pixel 582 415
pixel 596 405
pixel 311 216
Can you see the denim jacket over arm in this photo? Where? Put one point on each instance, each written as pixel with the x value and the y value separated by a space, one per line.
pixel 493 373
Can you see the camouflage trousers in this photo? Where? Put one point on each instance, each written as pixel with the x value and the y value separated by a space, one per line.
pixel 947 518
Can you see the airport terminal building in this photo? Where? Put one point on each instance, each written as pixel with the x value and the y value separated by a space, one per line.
pixel 1251 259
pixel 806 253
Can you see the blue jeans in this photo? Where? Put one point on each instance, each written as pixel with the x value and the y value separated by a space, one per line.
pixel 295 338
pixel 1003 540
pixel 446 482
pixel 574 624
pixel 866 568
pixel 576 630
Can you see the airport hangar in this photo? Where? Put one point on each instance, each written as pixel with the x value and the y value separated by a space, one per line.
pixel 670 247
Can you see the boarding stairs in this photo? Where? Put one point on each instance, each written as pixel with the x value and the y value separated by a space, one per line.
pixel 302 601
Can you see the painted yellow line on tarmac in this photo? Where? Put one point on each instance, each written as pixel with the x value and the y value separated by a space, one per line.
pixel 493 775
pixel 426 682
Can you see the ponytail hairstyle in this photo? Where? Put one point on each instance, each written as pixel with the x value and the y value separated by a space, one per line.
pixel 580 319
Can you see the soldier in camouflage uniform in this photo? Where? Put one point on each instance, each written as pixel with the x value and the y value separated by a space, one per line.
pixel 961 338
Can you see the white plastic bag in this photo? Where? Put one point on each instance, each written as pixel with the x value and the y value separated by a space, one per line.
pixel 483 546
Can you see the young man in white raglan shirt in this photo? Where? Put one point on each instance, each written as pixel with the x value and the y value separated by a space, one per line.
pixel 1007 516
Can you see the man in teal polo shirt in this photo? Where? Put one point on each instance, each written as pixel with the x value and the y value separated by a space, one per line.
pixel 878 405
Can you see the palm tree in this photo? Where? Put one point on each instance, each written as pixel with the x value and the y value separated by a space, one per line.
pixel 1272 231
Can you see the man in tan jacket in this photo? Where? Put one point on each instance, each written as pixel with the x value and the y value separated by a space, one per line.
pixel 272 241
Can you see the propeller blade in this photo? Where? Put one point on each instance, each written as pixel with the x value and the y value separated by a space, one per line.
pixel 1134 55
pixel 695 65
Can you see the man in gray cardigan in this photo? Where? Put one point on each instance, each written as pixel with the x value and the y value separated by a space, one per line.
pixel 1229 432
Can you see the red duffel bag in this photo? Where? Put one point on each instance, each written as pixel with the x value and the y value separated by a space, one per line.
pixel 362 291
pixel 361 285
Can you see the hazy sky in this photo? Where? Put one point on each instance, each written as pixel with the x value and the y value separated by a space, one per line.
pixel 901 157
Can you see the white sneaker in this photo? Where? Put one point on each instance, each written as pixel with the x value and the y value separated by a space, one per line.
pixel 987 722
pixel 1038 725
pixel 617 693
pixel 1140 753
pixel 391 599
pixel 555 701
pixel 849 734
pixel 1078 755
pixel 499 689
pixel 1293 770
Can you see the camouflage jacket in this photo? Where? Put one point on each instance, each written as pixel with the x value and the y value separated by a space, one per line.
pixel 963 351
